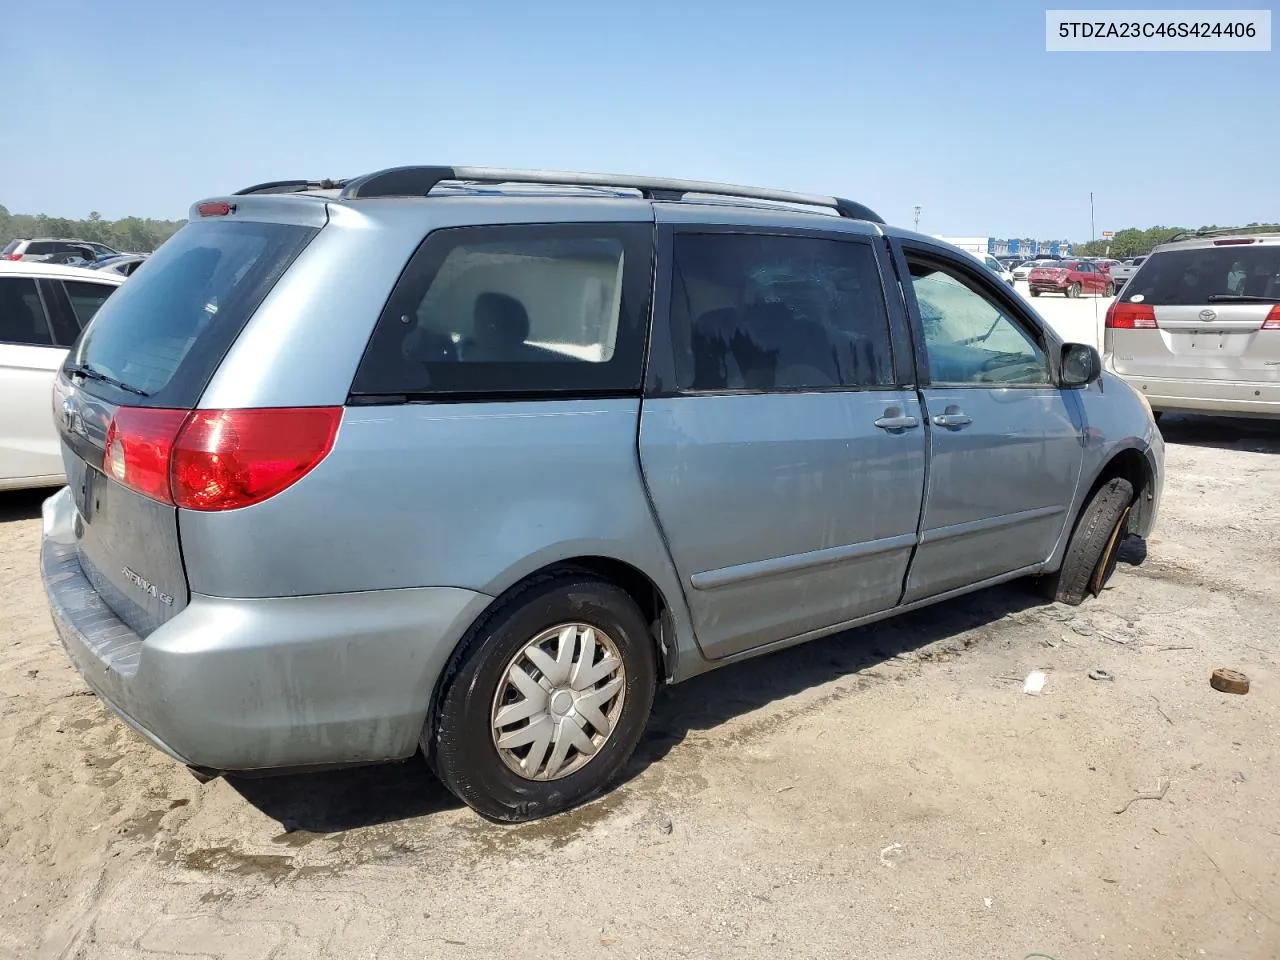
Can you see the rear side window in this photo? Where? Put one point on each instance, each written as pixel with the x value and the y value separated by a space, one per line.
pixel 514 310
pixel 757 312
pixel 40 248
pixel 86 298
pixel 165 331
pixel 10 247
pixel 22 319
pixel 1196 276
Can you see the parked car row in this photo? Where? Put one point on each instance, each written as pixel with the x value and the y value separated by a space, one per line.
pixel 85 253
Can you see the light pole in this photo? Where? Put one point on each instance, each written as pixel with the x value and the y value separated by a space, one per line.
pixel 916 208
pixel 1093 236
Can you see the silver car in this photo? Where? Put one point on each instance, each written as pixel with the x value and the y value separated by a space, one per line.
pixel 1125 269
pixel 1197 328
pixel 472 461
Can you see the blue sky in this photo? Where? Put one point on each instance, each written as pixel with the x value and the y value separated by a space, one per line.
pixel 142 107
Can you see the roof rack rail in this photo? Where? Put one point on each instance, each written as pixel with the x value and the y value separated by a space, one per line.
pixel 290 186
pixel 420 181
pixel 1224 231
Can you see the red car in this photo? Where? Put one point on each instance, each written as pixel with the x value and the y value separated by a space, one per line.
pixel 1071 278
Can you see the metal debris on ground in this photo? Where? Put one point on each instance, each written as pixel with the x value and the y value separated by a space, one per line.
pixel 1097 673
pixel 1229 681
pixel 1034 684
pixel 1169 719
pixel 1149 795
pixel 1124 641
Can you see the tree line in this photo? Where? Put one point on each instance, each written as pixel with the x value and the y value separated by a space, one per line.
pixel 1132 242
pixel 130 234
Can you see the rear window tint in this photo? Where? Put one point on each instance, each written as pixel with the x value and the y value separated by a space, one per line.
pixel 483 311
pixel 10 247
pixel 165 331
pixel 1191 276
pixel 40 247
pixel 763 312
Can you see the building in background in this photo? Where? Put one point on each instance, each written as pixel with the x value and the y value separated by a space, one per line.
pixel 1010 248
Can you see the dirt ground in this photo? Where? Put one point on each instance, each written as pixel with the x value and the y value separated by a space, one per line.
pixel 887 793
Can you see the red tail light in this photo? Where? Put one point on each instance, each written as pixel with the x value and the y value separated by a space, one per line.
pixel 139 444
pixel 1273 319
pixel 1131 316
pixel 13 256
pixel 217 459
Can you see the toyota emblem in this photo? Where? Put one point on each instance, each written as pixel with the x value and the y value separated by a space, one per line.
pixel 1207 315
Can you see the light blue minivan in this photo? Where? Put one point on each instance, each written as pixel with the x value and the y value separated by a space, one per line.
pixel 470 460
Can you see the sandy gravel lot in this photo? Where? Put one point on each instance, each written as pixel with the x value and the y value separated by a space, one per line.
pixel 887 793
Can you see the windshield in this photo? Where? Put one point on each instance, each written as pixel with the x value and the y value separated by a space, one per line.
pixel 187 308
pixel 1180 277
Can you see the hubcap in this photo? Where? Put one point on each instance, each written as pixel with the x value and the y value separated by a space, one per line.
pixel 558 701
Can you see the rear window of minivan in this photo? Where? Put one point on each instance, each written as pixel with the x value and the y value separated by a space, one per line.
pixel 513 310
pixel 164 332
pixel 1192 276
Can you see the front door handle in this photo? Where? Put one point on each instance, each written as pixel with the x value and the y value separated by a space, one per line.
pixel 897 423
pixel 952 420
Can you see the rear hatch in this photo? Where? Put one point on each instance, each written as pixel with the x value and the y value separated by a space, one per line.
pixel 1205 312
pixel 137 370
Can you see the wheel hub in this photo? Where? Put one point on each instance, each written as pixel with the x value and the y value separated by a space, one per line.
pixel 558 702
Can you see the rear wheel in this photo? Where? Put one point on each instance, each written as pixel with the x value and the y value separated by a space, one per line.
pixel 1111 289
pixel 547 701
pixel 1094 547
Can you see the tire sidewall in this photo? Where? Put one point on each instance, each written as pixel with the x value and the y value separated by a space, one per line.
pixel 464 753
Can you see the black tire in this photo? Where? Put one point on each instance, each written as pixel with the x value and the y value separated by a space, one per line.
pixel 1073 291
pixel 1111 289
pixel 1035 292
pixel 1094 546
pixel 462 748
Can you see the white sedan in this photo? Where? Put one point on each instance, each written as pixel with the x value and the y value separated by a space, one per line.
pixel 43 307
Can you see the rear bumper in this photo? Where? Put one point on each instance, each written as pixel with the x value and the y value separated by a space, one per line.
pixel 231 684
pixel 1232 398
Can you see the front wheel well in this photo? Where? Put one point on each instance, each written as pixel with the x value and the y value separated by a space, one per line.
pixel 1129 465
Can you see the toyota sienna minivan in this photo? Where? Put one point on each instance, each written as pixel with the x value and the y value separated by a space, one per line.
pixel 471 461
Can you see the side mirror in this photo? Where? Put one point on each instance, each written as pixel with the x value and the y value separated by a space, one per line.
pixel 1080 366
